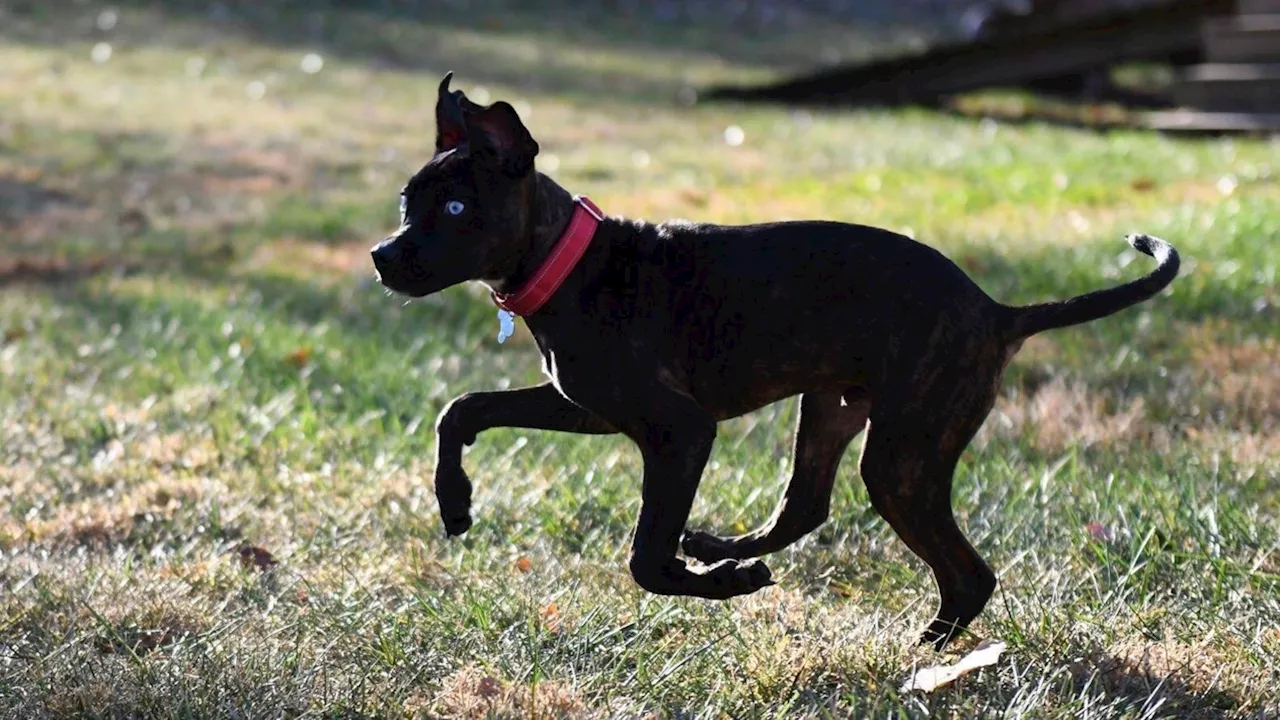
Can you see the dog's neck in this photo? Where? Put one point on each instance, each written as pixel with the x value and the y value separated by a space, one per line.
pixel 553 209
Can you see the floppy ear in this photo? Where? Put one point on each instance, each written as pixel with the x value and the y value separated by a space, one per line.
pixel 451 129
pixel 498 137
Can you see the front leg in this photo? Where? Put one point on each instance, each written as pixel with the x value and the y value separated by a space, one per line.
pixel 541 407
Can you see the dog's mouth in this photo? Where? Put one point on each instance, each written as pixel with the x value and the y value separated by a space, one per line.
pixel 394 287
pixel 397 284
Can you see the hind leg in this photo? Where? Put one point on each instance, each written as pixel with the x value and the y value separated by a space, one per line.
pixel 907 464
pixel 827 425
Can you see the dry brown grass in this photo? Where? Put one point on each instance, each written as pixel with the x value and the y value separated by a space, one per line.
pixel 1197 680
pixel 1241 377
pixel 1226 399
pixel 471 692
pixel 1062 414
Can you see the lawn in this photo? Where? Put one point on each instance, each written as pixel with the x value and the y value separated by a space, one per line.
pixel 216 428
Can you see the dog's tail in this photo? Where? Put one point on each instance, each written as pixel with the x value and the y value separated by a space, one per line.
pixel 1032 319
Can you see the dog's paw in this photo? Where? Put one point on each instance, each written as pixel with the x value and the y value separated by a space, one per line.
pixel 705 547
pixel 456 525
pixel 453 493
pixel 939 634
pixel 731 578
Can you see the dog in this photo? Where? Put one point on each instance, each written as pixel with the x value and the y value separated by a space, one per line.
pixel 659 332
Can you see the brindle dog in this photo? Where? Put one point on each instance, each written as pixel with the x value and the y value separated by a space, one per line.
pixel 661 331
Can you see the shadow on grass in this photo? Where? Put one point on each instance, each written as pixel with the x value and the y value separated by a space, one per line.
pixel 89 197
pixel 19 198
pixel 500 41
pixel 1143 682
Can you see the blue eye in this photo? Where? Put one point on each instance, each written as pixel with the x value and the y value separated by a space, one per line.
pixel 454 207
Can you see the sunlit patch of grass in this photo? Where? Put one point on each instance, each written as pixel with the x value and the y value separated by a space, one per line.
pixel 216 430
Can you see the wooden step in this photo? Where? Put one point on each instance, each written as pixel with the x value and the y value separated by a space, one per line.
pixel 1146 32
pixel 1253 88
pixel 1257 7
pixel 1213 122
pixel 1242 38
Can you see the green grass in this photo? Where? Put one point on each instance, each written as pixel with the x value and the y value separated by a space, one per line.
pixel 194 361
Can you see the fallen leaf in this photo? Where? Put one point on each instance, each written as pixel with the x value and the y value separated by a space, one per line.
pixel 253 556
pixel 299 358
pixel 1100 532
pixel 930 679
pixel 524 564
pixel 550 616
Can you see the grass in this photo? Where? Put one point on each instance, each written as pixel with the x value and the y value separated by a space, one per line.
pixel 215 491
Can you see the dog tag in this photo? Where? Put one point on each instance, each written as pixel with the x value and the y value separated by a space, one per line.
pixel 506 325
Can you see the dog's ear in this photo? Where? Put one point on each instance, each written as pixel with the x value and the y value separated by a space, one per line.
pixel 497 136
pixel 451 128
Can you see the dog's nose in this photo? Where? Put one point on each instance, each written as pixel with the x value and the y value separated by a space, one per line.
pixel 383 253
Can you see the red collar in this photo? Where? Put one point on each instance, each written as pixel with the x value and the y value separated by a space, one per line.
pixel 564 256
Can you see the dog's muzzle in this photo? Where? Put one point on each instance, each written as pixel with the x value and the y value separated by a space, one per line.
pixel 384 255
pixel 388 261
pixel 396 269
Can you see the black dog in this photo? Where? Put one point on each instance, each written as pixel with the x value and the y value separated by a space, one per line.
pixel 660 331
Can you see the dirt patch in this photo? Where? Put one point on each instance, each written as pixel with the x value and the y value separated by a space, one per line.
pixel 471 693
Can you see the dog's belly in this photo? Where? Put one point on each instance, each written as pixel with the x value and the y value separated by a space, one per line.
pixel 735 368
pixel 738 391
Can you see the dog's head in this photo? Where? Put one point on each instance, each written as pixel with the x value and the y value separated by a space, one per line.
pixel 466 214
